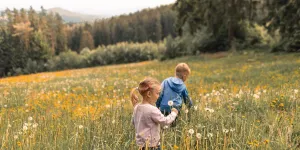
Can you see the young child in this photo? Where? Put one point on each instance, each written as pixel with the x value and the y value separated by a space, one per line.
pixel 174 90
pixel 146 117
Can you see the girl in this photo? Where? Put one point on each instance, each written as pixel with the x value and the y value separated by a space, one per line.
pixel 146 117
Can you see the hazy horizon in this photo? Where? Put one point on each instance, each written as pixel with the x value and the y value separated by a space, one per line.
pixel 102 7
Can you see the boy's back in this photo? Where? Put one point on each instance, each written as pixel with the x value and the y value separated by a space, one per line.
pixel 174 90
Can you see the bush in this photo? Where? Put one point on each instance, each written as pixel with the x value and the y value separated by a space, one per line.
pixel 65 60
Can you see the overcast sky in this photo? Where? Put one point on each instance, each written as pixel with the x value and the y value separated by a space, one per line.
pixel 97 7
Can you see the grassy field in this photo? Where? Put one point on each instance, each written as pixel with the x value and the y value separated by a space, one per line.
pixel 242 101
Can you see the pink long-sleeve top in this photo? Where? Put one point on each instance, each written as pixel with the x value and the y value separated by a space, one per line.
pixel 147 120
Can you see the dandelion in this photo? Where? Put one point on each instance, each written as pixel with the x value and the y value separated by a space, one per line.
pixel 80 126
pixel 256 96
pixel 195 107
pixel 5 106
pixel 186 111
pixel 266 142
pixel 170 103
pixel 30 118
pixel 265 91
pixel 175 147
pixel 25 128
pixel 225 131
pixel 34 125
pixel 16 137
pixel 210 135
pixel 191 131
pixel 27 110
pixel 198 135
pixel 113 122
pixel 296 91
pixel 209 110
pixel 281 105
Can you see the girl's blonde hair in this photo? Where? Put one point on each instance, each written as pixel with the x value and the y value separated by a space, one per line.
pixel 182 69
pixel 146 85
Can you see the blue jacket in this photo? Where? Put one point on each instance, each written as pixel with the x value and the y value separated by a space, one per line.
pixel 173 89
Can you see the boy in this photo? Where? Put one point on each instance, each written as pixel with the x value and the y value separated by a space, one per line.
pixel 174 89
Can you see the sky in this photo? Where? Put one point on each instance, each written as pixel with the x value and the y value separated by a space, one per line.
pixel 95 7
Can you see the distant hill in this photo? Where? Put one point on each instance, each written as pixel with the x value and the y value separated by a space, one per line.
pixel 69 16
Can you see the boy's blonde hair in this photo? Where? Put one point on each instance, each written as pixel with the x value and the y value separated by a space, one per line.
pixel 182 69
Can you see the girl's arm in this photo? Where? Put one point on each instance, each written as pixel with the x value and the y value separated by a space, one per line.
pixel 158 117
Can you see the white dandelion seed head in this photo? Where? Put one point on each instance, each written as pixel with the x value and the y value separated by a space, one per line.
pixel 25 128
pixel 170 103
pixel 191 131
pixel 195 107
pixel 198 135
pixel 35 125
pixel 210 135
pixel 225 130
pixel 256 96
pixel 186 111
pixel 30 118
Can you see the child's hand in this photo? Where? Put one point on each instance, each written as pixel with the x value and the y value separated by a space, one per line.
pixel 134 100
pixel 174 110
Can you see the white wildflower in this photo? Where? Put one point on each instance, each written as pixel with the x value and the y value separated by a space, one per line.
pixel 210 135
pixel 25 128
pixel 195 107
pixel 225 131
pixel 30 118
pixel 191 131
pixel 256 96
pixel 26 105
pixel 232 129
pixel 198 135
pixel 16 137
pixel 5 106
pixel 166 127
pixel 186 111
pixel 296 91
pixel 113 122
pixel 80 126
pixel 34 125
pixel 209 110
pixel 170 103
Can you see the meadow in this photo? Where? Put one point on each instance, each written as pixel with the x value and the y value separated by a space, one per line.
pixel 241 101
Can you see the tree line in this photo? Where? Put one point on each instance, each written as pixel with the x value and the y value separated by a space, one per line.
pixel 29 36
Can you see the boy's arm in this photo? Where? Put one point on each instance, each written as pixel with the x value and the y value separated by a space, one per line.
pixel 187 100
pixel 160 96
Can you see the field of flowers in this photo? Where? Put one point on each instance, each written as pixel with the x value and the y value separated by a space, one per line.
pixel 241 101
